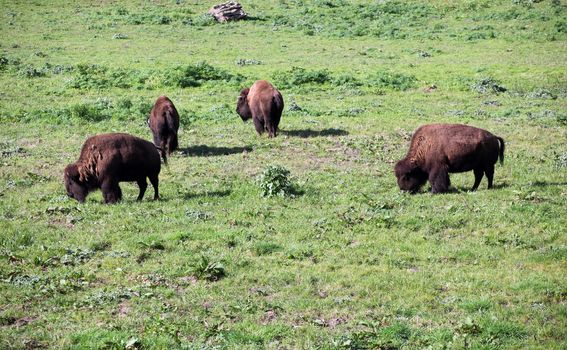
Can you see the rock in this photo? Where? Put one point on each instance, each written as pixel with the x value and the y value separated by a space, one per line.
pixel 228 11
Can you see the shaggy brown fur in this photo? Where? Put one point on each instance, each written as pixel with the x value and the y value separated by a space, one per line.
pixel 108 159
pixel 164 123
pixel 264 104
pixel 439 149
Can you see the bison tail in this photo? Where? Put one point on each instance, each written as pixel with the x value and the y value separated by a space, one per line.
pixel 502 147
pixel 172 120
pixel 163 154
pixel 169 119
pixel 172 144
pixel 278 101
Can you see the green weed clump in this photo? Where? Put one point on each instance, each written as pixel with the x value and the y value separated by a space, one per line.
pixel 393 81
pixel 207 269
pixel 488 85
pixel 93 76
pixel 105 109
pixel 299 76
pixel 275 181
pixel 95 110
pixel 197 74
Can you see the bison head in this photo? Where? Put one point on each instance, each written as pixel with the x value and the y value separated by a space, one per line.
pixel 75 187
pixel 410 177
pixel 242 107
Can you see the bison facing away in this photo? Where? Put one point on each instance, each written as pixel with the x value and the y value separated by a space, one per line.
pixel 108 159
pixel 264 104
pixel 439 149
pixel 164 123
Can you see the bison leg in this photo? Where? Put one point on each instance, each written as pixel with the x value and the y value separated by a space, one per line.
pixel 489 171
pixel 172 143
pixel 142 184
pixel 111 192
pixel 259 125
pixel 477 177
pixel 155 182
pixel 439 180
pixel 271 130
pixel 163 149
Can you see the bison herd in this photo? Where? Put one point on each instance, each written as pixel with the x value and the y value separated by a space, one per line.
pixel 435 150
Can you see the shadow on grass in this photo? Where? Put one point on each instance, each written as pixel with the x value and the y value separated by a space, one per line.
pixel 464 189
pixel 547 184
pixel 306 133
pixel 206 151
pixel 220 193
pixel 496 186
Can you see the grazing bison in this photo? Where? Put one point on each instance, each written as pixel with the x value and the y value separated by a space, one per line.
pixel 164 123
pixel 439 149
pixel 264 104
pixel 108 159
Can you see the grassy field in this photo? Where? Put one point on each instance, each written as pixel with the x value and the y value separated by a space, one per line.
pixel 345 260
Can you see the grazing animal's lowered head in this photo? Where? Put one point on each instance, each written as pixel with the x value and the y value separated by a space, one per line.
pixel 410 178
pixel 76 186
pixel 242 107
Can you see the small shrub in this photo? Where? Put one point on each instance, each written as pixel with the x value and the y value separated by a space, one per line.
pixel 4 62
pixel 346 80
pixel 274 181
pixel 488 85
pixel 203 20
pixel 209 270
pixel 394 81
pixel 28 71
pixel 89 112
pixel 89 76
pixel 300 76
pixel 197 74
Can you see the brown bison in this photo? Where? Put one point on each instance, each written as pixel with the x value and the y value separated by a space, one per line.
pixel 108 159
pixel 439 149
pixel 164 123
pixel 264 104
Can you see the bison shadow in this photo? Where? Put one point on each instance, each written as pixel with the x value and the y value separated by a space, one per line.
pixel 461 189
pixel 546 184
pixel 218 193
pixel 464 189
pixel 307 133
pixel 205 151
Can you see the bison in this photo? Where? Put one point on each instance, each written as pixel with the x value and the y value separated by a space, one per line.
pixel 108 159
pixel 164 123
pixel 264 104
pixel 439 149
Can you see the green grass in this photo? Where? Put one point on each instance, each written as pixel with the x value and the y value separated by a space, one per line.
pixel 342 261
